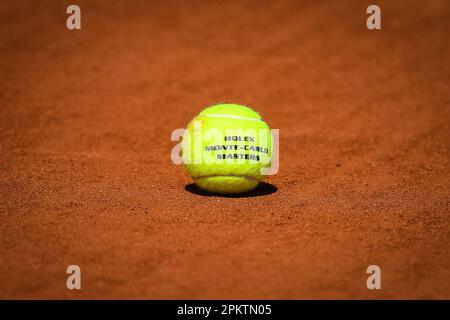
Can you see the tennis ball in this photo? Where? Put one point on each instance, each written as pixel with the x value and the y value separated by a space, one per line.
pixel 225 148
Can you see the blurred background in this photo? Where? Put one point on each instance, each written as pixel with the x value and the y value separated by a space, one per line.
pixel 85 171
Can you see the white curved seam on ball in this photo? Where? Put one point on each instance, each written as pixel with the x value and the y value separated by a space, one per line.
pixel 230 117
pixel 228 175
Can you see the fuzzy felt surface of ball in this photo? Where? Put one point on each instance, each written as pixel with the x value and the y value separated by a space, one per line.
pixel 225 147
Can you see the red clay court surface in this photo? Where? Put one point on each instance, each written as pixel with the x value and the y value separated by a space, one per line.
pixel 85 170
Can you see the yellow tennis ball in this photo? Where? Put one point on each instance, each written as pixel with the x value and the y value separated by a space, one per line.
pixel 226 147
